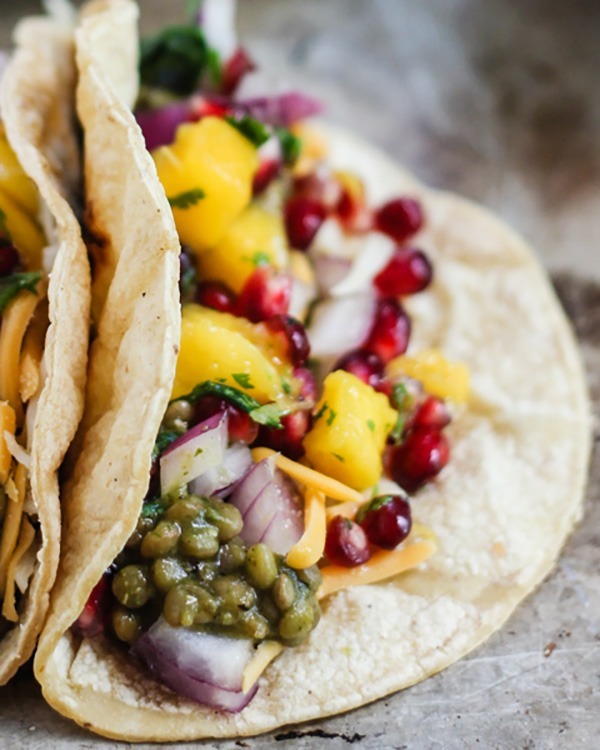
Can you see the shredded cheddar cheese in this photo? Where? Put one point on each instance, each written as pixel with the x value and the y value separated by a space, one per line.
pixel 7 425
pixel 265 654
pixel 309 477
pixel 382 565
pixel 15 489
pixel 346 510
pixel 309 549
pixel 26 538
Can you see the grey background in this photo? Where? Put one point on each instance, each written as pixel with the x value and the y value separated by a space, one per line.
pixel 499 101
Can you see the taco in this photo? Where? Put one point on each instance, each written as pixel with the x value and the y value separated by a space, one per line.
pixel 233 558
pixel 44 301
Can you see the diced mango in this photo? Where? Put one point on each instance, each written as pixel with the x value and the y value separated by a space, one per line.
pixel 439 376
pixel 214 347
pixel 350 429
pixel 13 180
pixel 256 237
pixel 24 232
pixel 215 158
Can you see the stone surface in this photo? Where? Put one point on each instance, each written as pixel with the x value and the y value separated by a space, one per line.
pixel 499 101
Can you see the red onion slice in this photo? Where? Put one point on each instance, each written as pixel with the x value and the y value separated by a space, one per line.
pixel 285 529
pixel 160 125
pixel 196 451
pixel 236 462
pixel 341 324
pixel 202 666
pixel 253 484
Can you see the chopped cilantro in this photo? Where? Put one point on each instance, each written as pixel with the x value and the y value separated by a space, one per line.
pixel 371 425
pixel 243 380
pixel 175 59
pixel 403 401
pixel 214 67
pixel 291 145
pixel 152 510
pixel 321 411
pixel 339 458
pixel 331 417
pixel 163 441
pixel 260 258
pixel 198 452
pixel 269 415
pixel 252 129
pixel 375 504
pixel 287 388
pixel 10 286
pixel 187 199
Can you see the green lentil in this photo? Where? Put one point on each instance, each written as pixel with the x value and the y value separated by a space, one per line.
pixel 126 624
pixel 311 577
pixel 261 566
pixel 297 621
pixel 178 415
pixel 207 571
pixel 161 541
pixel 189 604
pixel 132 586
pixel 284 592
pixel 254 625
pixel 227 519
pixel 200 542
pixel 234 592
pixel 231 556
pixel 167 572
pixel 187 509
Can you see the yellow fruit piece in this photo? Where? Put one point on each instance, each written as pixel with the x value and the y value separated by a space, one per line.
pixel 352 184
pixel 24 232
pixel 14 182
pixel 439 376
pixel 213 157
pixel 214 347
pixel 255 238
pixel 348 436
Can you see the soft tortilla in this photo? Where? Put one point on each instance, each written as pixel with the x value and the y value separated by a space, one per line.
pixel 37 109
pixel 501 509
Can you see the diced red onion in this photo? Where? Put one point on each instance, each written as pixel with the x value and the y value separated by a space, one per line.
pixel 270 508
pixel 196 451
pixel 236 462
pixel 331 334
pixel 205 667
pixel 280 110
pixel 160 125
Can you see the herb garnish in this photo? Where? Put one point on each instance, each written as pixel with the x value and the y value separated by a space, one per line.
pixel 331 417
pixel 187 199
pixel 252 129
pixel 163 441
pixel 402 400
pixel 371 425
pixel 10 286
pixel 260 258
pixel 291 145
pixel 243 380
pixel 175 59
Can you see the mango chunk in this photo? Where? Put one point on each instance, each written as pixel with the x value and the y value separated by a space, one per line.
pixel 14 182
pixel 439 376
pixel 211 158
pixel 351 425
pixel 256 237
pixel 218 346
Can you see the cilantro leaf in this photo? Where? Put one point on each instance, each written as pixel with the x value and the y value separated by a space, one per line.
pixel 339 458
pixel 187 199
pixel 174 59
pixel 260 258
pixel 331 417
pixel 371 425
pixel 152 510
pixel 163 441
pixel 403 400
pixel 10 286
pixel 321 411
pixel 243 380
pixel 268 415
pixel 252 129
pixel 291 145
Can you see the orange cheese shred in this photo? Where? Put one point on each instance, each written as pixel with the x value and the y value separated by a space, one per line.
pixel 15 320
pixel 12 521
pixel 26 538
pixel 31 357
pixel 309 477
pixel 309 549
pixel 7 424
pixel 383 564
pixel 346 510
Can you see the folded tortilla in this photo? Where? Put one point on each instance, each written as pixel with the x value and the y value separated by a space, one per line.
pixel 501 509
pixel 38 115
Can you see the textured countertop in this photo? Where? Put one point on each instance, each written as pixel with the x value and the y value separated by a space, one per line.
pixel 499 101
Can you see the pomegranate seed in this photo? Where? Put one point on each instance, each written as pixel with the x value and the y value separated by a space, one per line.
pixel 365 365
pixel 266 293
pixel 201 106
pixel 400 218
pixel 9 257
pixel 293 336
pixel 354 216
pixel 391 330
pixel 92 621
pixel 432 414
pixel 408 272
pixel 419 459
pixel 303 217
pixel 288 439
pixel 308 384
pixel 387 520
pixel 216 295
pixel 346 543
pixel 236 67
pixel 265 174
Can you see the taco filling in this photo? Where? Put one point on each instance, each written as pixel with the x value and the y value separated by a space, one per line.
pixel 297 424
